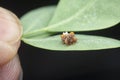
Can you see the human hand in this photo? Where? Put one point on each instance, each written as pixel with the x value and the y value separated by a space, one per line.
pixel 10 34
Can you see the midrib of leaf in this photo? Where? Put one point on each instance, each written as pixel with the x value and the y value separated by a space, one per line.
pixel 80 12
pixel 34 32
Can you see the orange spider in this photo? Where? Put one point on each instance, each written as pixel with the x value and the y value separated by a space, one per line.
pixel 68 38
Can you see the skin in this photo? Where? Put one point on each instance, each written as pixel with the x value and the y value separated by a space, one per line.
pixel 10 35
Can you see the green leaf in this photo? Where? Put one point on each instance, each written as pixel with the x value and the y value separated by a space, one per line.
pixel 36 20
pixel 84 42
pixel 85 15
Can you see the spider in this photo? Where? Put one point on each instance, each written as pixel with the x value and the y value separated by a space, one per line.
pixel 68 38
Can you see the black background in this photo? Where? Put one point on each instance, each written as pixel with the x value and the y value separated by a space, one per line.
pixel 40 64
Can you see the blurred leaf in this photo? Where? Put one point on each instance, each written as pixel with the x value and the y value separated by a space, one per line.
pixel 71 15
pixel 36 20
pixel 85 15
pixel 84 42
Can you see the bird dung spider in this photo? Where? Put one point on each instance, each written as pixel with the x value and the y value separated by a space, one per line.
pixel 68 38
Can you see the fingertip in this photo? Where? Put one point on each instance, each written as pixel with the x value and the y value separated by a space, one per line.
pixel 10 35
pixel 10 26
pixel 6 52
